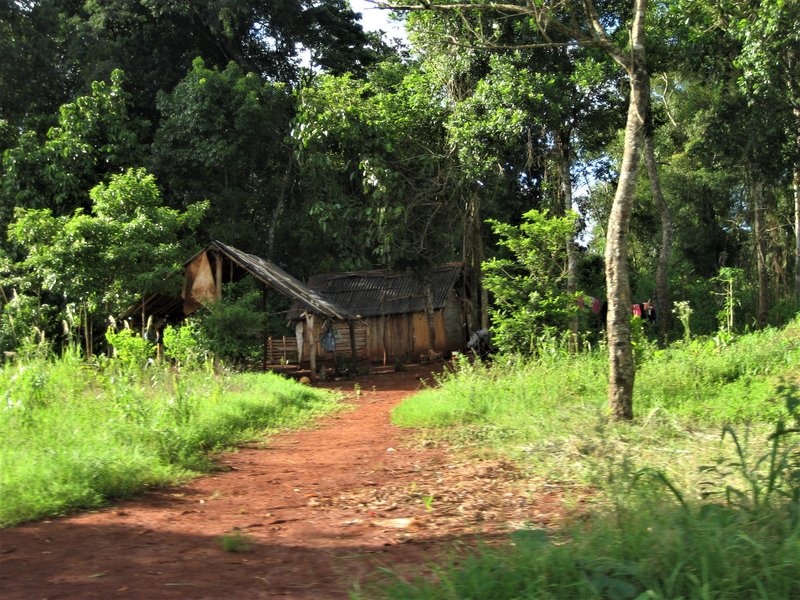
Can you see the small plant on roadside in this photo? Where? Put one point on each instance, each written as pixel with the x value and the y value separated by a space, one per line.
pixel 684 311
pixel 236 541
pixel 131 350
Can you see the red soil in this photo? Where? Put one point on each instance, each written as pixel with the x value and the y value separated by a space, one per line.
pixel 321 510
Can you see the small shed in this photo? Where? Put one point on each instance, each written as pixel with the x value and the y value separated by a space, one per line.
pixel 401 316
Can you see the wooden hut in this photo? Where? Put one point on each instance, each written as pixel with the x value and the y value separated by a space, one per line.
pixel 375 316
pixel 398 316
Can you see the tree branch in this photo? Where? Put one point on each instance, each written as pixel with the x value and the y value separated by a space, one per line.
pixel 572 32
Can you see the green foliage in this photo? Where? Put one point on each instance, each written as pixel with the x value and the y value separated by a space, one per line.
pixel 95 136
pixel 131 350
pixel 375 168
pixel 730 280
pixel 77 435
pixel 104 260
pixel 23 318
pixel 184 344
pixel 222 138
pixel 234 326
pixel 529 291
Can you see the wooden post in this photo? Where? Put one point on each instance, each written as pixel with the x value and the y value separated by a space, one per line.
pixel 312 346
pixel 353 352
pixel 218 269
pixel 266 325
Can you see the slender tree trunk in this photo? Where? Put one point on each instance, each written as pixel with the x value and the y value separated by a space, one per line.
pixel 312 346
pixel 663 300
pixel 480 256
pixel 473 253
pixel 757 192
pixel 565 191
pixel 470 256
pixel 794 88
pixel 280 205
pixel 429 311
pixel 620 351
pixel 774 240
pixel 796 185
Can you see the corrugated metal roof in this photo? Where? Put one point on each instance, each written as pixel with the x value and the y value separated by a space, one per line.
pixel 373 293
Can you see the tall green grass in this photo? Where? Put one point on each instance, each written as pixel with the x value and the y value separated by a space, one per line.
pixel 699 497
pixel 551 412
pixel 75 435
pixel 650 540
pixel 643 550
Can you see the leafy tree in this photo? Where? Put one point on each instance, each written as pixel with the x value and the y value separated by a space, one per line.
pixel 720 148
pixel 374 166
pixel 95 137
pixel 590 24
pixel 222 138
pixel 530 292
pixel 102 261
pixel 35 75
pixel 770 63
pixel 58 47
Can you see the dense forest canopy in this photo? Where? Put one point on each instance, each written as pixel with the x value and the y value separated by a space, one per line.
pixel 284 129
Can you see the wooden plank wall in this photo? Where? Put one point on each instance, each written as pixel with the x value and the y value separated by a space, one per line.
pixel 381 338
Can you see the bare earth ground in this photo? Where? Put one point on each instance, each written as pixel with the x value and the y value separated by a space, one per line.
pixel 321 510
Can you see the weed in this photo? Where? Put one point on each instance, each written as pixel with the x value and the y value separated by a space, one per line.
pixel 684 311
pixel 236 541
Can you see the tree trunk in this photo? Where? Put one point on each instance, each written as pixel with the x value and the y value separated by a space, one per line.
pixel 794 88
pixel 280 206
pixel 429 314
pixel 620 351
pixel 757 192
pixel 312 346
pixel 775 247
pixel 796 185
pixel 473 254
pixel 663 300
pixel 565 192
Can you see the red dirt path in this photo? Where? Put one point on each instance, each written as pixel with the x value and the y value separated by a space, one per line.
pixel 321 509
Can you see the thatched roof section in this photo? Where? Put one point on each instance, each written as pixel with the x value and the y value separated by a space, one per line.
pixel 374 293
pixel 235 264
pixel 278 279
